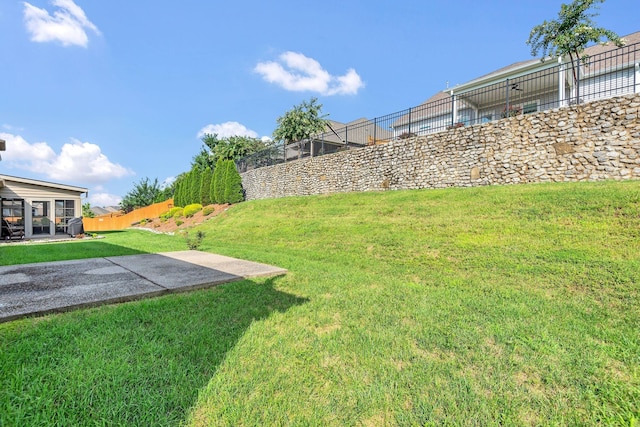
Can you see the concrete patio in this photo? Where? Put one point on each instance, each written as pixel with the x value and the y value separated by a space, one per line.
pixel 41 288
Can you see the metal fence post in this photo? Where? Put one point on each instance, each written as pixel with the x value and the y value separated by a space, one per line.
pixel 561 83
pixel 578 81
pixel 636 75
pixel 374 130
pixel 409 131
pixel 453 109
pixel 346 137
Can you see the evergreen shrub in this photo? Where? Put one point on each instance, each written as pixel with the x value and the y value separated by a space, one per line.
pixel 217 183
pixel 233 184
pixel 192 209
pixel 194 241
pixel 176 212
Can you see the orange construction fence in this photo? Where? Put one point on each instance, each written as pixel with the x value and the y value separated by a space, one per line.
pixel 117 221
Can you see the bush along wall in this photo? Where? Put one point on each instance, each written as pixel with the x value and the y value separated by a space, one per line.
pixel 227 183
pixel 232 184
pixel 598 140
pixel 217 183
pixel 205 187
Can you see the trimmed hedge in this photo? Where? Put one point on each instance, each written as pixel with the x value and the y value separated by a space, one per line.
pixel 173 212
pixel 217 183
pixel 192 209
pixel 232 184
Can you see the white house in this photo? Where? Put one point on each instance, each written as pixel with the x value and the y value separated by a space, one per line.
pixel 39 208
pixel 529 86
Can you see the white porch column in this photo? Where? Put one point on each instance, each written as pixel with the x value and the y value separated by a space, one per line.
pixel 454 110
pixel 562 100
pixel 637 78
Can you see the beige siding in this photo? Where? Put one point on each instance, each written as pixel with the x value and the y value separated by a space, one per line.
pixel 26 191
pixel 40 193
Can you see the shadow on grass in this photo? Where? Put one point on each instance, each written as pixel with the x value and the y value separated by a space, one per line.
pixel 139 363
pixel 30 253
pixel 112 243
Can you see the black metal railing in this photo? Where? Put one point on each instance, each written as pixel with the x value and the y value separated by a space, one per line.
pixel 602 75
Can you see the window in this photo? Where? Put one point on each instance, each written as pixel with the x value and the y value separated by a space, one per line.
pixel 464 117
pixel 65 210
pixel 13 211
pixel 529 108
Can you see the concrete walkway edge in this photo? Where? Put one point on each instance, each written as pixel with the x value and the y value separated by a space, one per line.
pixel 51 287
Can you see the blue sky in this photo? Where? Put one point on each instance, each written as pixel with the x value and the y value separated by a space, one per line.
pixel 101 94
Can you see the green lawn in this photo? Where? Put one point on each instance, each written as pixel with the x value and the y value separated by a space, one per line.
pixel 516 305
pixel 114 243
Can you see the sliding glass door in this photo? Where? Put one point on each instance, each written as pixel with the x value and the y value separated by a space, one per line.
pixel 41 223
pixel 65 210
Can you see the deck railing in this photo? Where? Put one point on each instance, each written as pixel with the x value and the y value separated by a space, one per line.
pixel 604 75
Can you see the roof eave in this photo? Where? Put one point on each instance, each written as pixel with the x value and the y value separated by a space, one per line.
pixel 44 184
pixel 500 77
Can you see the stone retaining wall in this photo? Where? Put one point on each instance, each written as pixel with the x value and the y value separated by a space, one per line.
pixel 594 141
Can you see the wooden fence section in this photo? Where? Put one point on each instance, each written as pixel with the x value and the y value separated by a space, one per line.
pixel 119 222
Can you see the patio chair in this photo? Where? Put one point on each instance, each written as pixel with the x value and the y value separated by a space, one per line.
pixel 10 231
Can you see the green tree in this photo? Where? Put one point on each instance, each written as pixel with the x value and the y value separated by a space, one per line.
pixel 185 189
pixel 205 187
pixel 233 184
pixel 86 210
pixel 227 148
pixel 177 185
pixel 144 193
pixel 570 34
pixel 166 192
pixel 218 182
pixel 194 186
pixel 204 159
pixel 300 123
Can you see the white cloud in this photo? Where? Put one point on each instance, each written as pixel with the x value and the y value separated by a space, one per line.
pixel 10 128
pixel 83 161
pixel 167 182
pixel 19 150
pixel 227 129
pixel 306 74
pixel 67 25
pixel 80 162
pixel 103 199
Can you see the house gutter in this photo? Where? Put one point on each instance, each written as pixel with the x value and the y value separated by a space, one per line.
pixel 44 184
pixel 491 79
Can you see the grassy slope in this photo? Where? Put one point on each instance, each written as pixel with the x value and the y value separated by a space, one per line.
pixel 506 304
pixel 515 305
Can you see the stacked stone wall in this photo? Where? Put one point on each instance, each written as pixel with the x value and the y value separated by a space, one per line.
pixel 590 142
